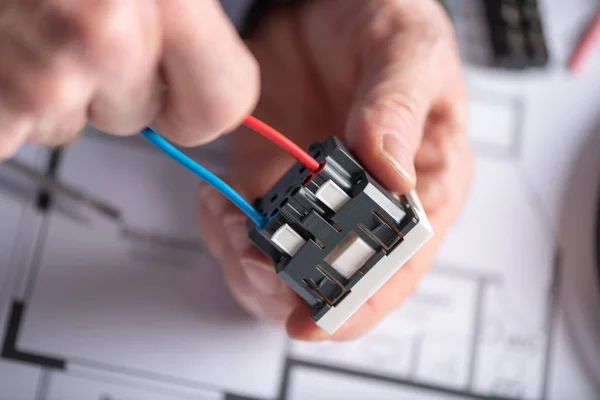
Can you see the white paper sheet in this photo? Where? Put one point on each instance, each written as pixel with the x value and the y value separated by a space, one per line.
pixel 18 381
pixel 112 299
pixel 511 307
pixel 16 194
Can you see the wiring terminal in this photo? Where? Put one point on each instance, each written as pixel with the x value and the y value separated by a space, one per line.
pixel 336 235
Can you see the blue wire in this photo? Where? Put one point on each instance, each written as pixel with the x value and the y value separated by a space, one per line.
pixel 206 175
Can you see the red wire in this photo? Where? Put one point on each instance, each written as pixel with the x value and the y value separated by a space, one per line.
pixel 283 142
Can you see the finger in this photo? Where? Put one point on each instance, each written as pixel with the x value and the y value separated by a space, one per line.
pixel 212 78
pixel 13 132
pixel 16 123
pixel 59 127
pixel 54 53
pixel 444 178
pixel 249 274
pixel 401 80
pixel 128 90
pixel 38 88
pixel 444 157
pixel 258 288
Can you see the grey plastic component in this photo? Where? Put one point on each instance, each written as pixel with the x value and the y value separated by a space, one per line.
pixel 374 215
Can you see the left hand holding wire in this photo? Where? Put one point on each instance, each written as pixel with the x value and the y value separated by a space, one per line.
pixel 385 77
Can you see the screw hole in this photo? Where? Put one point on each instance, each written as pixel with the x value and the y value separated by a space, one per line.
pixel 273 198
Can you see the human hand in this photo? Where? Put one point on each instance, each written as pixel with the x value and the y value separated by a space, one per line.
pixel 383 75
pixel 66 62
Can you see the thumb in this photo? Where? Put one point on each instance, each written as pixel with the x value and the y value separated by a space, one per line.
pixel 398 85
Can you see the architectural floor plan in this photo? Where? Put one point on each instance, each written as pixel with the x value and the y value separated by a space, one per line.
pixel 93 308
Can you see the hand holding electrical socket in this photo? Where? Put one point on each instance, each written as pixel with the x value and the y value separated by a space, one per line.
pixel 336 235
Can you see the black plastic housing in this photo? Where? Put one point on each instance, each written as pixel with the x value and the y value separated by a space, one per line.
pixel 372 213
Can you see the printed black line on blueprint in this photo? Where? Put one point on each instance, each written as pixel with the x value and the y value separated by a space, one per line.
pixel 26 193
pixel 18 307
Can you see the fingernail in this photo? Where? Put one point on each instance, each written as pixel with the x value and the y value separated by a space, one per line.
pixel 214 201
pixel 236 232
pixel 261 277
pixel 396 152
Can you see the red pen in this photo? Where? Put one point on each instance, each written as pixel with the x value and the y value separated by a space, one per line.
pixel 589 38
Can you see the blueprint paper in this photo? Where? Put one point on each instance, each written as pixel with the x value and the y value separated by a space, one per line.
pixel 16 194
pixel 464 328
pixel 18 381
pixel 122 297
pixel 428 339
pixel 94 309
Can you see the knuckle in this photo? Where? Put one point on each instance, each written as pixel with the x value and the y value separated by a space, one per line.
pixel 59 23
pixel 223 114
pixel 226 109
pixel 35 93
pixel 182 126
pixel 213 110
pixel 54 91
pixel 403 105
pixel 400 112
pixel 390 16
pixel 99 28
pixel 393 21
